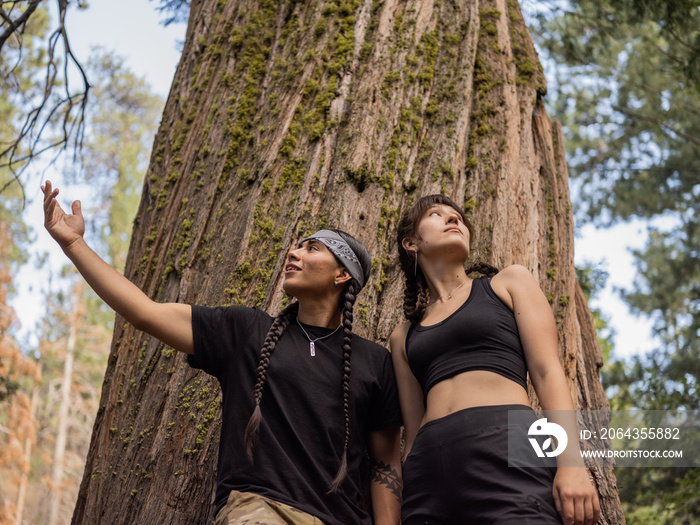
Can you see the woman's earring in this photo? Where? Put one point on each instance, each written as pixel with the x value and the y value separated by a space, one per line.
pixel 415 263
pixel 336 283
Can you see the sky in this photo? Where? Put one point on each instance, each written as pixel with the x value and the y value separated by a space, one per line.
pixel 132 29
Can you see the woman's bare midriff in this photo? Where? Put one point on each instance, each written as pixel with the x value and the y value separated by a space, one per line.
pixel 472 389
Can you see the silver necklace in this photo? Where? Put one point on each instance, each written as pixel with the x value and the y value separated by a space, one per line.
pixel 449 295
pixel 312 346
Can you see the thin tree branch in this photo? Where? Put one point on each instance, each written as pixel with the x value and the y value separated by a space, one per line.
pixel 647 118
pixel 66 115
pixel 17 25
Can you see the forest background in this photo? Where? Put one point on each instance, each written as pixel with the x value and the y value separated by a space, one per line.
pixel 623 79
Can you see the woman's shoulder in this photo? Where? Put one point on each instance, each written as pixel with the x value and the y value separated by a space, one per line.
pixel 513 275
pixel 397 339
pixel 511 280
pixel 513 271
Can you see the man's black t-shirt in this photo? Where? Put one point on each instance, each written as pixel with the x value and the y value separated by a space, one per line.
pixel 303 428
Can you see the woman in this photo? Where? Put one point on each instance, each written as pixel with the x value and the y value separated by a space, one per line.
pixel 461 364
pixel 296 414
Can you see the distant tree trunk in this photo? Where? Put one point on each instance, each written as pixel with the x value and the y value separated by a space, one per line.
pixel 29 440
pixel 63 409
pixel 288 116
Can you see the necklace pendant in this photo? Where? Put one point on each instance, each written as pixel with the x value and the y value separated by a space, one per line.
pixel 449 297
pixel 312 349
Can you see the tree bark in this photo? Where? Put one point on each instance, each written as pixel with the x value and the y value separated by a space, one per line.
pixel 288 116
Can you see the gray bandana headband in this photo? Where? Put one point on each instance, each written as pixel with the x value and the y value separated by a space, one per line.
pixel 341 249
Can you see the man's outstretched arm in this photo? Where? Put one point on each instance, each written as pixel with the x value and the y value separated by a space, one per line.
pixel 169 322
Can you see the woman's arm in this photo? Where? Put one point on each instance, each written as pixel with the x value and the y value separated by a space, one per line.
pixel 574 495
pixel 386 482
pixel 169 322
pixel 410 391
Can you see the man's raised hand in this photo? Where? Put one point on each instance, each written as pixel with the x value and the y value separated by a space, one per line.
pixel 63 227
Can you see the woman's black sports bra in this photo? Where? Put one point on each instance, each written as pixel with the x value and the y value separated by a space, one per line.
pixel 481 335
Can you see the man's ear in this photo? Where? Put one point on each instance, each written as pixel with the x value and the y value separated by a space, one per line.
pixel 342 275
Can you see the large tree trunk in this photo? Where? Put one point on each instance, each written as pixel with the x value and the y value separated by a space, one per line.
pixel 286 116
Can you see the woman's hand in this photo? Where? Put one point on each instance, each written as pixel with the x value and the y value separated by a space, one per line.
pixel 64 228
pixel 575 497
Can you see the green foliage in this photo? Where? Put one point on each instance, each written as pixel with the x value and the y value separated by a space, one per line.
pixel 627 97
pixel 22 68
pixel 667 290
pixel 675 493
pixel 628 105
pixel 627 90
pixel 21 81
pixel 667 378
pixel 39 71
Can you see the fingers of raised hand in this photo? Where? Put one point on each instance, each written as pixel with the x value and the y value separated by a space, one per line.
pixel 49 196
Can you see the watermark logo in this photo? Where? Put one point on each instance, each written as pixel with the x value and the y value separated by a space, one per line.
pixel 542 427
pixel 604 438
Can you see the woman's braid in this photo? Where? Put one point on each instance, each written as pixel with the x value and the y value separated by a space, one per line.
pixel 415 297
pixel 483 268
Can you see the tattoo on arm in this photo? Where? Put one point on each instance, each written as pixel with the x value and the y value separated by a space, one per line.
pixel 387 476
